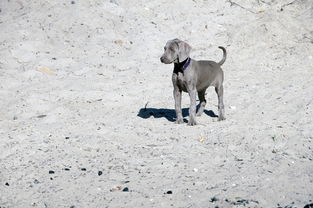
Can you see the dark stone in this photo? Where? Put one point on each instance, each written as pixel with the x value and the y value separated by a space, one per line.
pixel 100 173
pixel 72 206
pixel 308 206
pixel 7 184
pixel 83 169
pixel 242 201
pixel 169 192
pixel 67 137
pixel 125 189
pixel 51 172
pixel 41 116
pixel 54 58
pixel 72 2
pixel 67 169
pixel 214 199
pixel 36 181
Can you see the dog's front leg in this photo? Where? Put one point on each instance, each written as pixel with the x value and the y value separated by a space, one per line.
pixel 177 98
pixel 192 109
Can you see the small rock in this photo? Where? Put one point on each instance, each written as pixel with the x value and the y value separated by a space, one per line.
pixel 72 206
pixel 14 117
pixel 36 181
pixel 7 184
pixel 54 58
pixel 214 199
pixel 67 169
pixel 169 192
pixel 308 206
pixel 125 189
pixel 72 2
pixel 83 169
pixel 67 137
pixel 100 173
pixel 51 172
pixel 41 116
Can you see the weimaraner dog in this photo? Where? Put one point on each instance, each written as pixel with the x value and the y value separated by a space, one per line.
pixel 193 77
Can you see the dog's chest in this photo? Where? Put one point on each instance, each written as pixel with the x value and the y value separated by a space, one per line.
pixel 181 82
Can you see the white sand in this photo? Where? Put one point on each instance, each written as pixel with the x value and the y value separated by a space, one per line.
pixel 86 71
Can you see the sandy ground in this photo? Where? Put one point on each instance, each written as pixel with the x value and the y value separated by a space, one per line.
pixel 86 116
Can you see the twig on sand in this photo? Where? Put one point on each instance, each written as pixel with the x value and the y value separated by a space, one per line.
pixel 284 5
pixel 236 4
pixel 146 106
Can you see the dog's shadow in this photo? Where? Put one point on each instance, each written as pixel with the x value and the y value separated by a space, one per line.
pixel 169 114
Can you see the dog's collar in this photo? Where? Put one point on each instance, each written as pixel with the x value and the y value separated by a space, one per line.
pixel 180 67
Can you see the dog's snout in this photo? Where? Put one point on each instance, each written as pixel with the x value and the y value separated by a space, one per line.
pixel 162 59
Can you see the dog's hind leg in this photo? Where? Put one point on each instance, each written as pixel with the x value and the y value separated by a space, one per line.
pixel 201 96
pixel 221 112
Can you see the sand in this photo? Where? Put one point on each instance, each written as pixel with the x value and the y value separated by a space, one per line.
pixel 87 113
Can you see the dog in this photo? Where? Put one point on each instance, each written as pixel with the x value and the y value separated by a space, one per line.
pixel 193 77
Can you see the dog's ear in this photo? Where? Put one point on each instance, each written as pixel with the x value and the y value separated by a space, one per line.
pixel 183 51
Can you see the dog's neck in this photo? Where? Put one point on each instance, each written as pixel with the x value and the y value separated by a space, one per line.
pixel 181 66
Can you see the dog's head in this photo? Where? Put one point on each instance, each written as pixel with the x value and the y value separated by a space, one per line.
pixel 175 51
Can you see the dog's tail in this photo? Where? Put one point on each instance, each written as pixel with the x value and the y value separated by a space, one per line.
pixel 224 55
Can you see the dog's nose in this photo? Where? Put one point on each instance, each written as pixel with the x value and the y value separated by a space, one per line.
pixel 162 59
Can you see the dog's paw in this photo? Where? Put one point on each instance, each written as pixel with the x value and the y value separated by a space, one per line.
pixel 199 114
pixel 221 118
pixel 192 123
pixel 179 121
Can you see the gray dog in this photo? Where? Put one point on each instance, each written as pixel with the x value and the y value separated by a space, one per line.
pixel 193 77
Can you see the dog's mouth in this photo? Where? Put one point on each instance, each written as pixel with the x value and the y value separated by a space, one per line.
pixel 166 61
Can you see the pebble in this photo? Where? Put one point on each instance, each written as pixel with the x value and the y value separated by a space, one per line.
pixel 67 137
pixel 308 206
pixel 99 173
pixel 72 2
pixel 125 189
pixel 51 172
pixel 214 199
pixel 83 169
pixel 36 181
pixel 169 192
pixel 67 169
pixel 7 184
